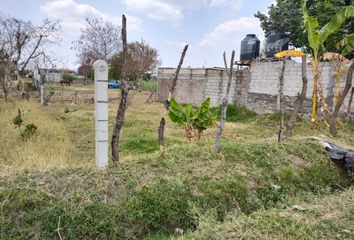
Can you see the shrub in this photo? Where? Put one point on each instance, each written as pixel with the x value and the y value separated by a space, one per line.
pixel 68 77
pixel 30 129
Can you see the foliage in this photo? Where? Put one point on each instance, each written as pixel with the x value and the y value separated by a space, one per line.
pixel 287 16
pixel 68 76
pixel 142 59
pixel 317 37
pixel 148 85
pixel 30 129
pixel 191 119
pixel 115 66
pixel 18 121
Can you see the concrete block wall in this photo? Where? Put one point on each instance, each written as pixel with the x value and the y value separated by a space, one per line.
pixel 255 87
pixel 195 85
pixel 264 85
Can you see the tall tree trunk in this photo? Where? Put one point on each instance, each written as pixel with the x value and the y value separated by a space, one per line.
pixel 348 85
pixel 282 104
pixel 350 104
pixel 161 129
pixel 299 100
pixel 224 102
pixel 124 98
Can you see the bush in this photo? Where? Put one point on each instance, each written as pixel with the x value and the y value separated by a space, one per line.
pixel 68 77
pixel 30 130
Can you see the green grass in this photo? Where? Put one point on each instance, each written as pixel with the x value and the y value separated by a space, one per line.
pixel 147 85
pixel 49 188
pixel 237 114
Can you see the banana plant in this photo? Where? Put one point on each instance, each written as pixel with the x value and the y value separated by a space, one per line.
pixel 205 119
pixel 317 37
pixel 191 119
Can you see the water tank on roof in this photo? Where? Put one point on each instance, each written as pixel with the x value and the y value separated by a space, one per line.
pixel 249 48
pixel 276 41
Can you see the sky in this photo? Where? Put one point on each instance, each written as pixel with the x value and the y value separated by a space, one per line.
pixel 210 27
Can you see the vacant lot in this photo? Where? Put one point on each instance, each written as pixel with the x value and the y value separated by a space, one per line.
pixel 256 189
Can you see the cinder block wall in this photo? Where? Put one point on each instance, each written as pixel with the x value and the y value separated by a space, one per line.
pixel 195 85
pixel 256 87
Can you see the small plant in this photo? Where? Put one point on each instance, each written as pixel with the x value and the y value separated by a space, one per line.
pixel 30 129
pixel 191 119
pixel 66 110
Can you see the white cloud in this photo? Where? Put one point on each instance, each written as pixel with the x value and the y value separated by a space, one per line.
pixel 231 32
pixel 72 15
pixel 234 4
pixel 156 9
pixel 227 36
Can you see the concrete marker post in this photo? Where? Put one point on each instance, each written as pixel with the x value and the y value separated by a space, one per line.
pixel 101 113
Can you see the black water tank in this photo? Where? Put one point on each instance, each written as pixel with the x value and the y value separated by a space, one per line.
pixel 249 48
pixel 276 41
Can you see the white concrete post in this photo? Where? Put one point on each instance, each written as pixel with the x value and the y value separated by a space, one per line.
pixel 101 113
pixel 41 90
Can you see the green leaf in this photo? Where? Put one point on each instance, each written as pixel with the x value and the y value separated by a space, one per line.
pixel 347 43
pixel 177 113
pixel 311 25
pixel 336 22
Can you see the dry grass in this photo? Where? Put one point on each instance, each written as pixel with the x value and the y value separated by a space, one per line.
pixel 49 148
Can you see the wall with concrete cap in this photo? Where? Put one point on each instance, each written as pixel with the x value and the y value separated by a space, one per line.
pixel 255 87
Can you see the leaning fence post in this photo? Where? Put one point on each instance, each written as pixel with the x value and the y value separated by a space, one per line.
pixel 101 113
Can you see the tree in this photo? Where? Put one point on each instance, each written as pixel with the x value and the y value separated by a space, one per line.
pixel 287 16
pixel 100 39
pixel 21 42
pixel 141 59
pixel 115 66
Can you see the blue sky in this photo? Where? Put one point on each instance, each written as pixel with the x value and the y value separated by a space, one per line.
pixel 208 26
